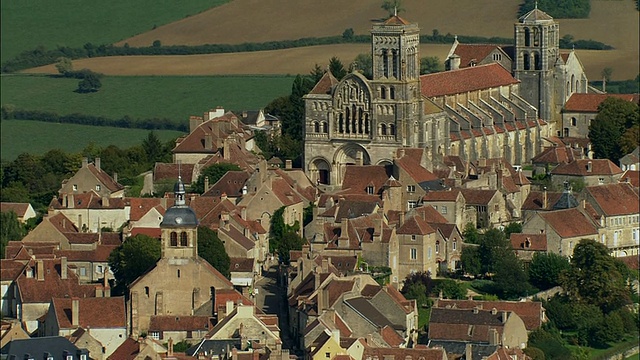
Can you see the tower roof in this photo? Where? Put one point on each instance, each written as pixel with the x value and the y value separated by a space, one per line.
pixel 396 20
pixel 534 16
pixel 179 215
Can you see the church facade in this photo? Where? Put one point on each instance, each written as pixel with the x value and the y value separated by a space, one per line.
pixel 476 112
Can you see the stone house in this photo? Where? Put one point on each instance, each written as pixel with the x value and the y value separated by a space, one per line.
pixel 11 330
pixel 103 318
pixel 90 177
pixel 489 206
pixel 416 248
pixel 179 328
pixel 490 326
pixel 181 282
pixel 564 229
pixel 91 212
pixel 553 156
pixel 589 172
pixel 526 245
pixel 631 161
pixel 616 208
pixel 581 109
pixel 467 55
pixel 451 204
pixel 24 211
pixel 532 313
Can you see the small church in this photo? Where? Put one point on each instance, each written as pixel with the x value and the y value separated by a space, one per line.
pixel 181 283
pixel 493 101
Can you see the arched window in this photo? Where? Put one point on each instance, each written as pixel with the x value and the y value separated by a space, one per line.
pixel 366 123
pixel 341 124
pixel 174 238
pixel 573 81
pixel 536 61
pixel 316 127
pixel 383 129
pixel 392 129
pixel 527 61
pixel 392 92
pixel 383 92
pixel 183 239
pixel 536 37
pixel 325 127
pixel 527 37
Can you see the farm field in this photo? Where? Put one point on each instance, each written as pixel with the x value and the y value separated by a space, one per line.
pixel 28 24
pixel 43 136
pixel 172 97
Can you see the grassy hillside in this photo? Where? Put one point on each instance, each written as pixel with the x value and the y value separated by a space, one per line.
pixel 27 24
pixel 173 97
pixel 35 137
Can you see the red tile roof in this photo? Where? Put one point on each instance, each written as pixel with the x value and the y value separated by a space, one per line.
pixel 471 54
pixel 391 337
pixel 357 178
pixel 415 226
pixel 465 80
pixel 569 223
pixel 425 353
pixel 104 178
pixel 230 183
pixel 411 165
pixel 579 167
pixel 448 195
pixel 180 323
pixel 478 197
pixel 615 199
pixel 430 215
pixel 218 129
pixel 590 102
pixel 325 84
pixel 557 155
pixel 531 312
pixel 396 20
pixel 463 324
pixel 141 206
pixel 632 176
pixel 529 242
pixel 94 313
pixel 126 351
pixel 535 200
pixel 19 208
pixel 241 264
pixel 34 291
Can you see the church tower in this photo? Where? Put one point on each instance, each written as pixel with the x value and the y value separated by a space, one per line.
pixel 179 228
pixel 537 41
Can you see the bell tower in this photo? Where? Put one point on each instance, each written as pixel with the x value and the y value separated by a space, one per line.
pixel 179 227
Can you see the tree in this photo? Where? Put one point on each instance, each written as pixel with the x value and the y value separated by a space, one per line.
pixel 337 68
pixel 510 277
pixel 64 65
pixel 214 172
pixel 607 129
pixel 392 6
pixel 10 230
pixel 606 77
pixel 418 286
pixel 316 73
pixel 470 234
pixel 348 34
pixel 211 248
pixel 493 246
pixel 364 64
pixel 450 289
pixel 133 258
pixel 90 83
pixel 470 260
pixel 283 237
pixel 545 269
pixel 512 228
pixel 595 278
pixel 430 64
pixel 153 148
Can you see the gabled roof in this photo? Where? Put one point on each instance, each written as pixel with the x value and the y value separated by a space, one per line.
pixel 632 176
pixel 238 237
pixel 37 346
pixel 230 183
pixel 615 199
pixel 580 167
pixel 415 225
pixel 94 313
pixel 391 337
pixel 535 200
pixel 534 16
pixel 590 102
pixel 464 324
pixel 19 208
pixel 477 196
pixel 410 163
pixel 557 155
pixel 218 129
pixel 422 353
pixel 528 242
pixel 529 311
pixel 325 84
pixel 474 53
pixel 430 215
pixel 105 178
pixel 464 80
pixel 569 223
pixel 171 171
pixel 396 20
pixel 53 286
pixel 139 207
pixel 368 311
pixel 448 195
pixel 358 177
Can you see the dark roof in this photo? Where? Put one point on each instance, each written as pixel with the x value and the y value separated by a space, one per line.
pixel 478 350
pixel 213 346
pixel 363 307
pixel 230 184
pixel 59 347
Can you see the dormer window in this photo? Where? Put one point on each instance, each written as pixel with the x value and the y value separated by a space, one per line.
pixel 370 189
pixel 98 187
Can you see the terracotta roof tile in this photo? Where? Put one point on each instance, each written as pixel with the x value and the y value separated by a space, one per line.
pixel 218 129
pixel 557 155
pixel 371 352
pixel 94 313
pixel 391 337
pixel 590 102
pixel 569 223
pixel 472 54
pixel 238 237
pixel 415 225
pixel 449 195
pixel 465 80
pixel 411 165
pixel 19 208
pixel 141 206
pixel 463 324
pixel 34 291
pixel 180 323
pixel 529 311
pixel 632 176
pixel 325 84
pixel 171 171
pixel 529 242
pixel 396 20
pixel 241 264
pixel 478 197
pixel 10 269
pixel 580 167
pixel 535 200
pixel 230 183
pixel 357 178
pixel 105 178
pixel 126 351
pixel 615 199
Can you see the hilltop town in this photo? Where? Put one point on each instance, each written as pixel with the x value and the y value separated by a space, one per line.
pixel 462 214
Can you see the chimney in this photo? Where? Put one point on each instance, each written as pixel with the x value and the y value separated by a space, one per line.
pixel 401 219
pixel 545 198
pixel 75 312
pixel 70 201
pixel 223 196
pixel 400 153
pixel 206 183
pixel 468 351
pixel 244 190
pixel 494 311
pixel 482 162
pixel 454 62
pixel 97 163
pixel 288 164
pixel 85 162
pixel 323 299
pixel 325 265
pixel 115 177
pixel 170 347
pixel 63 268
pixel 226 150
pixel 105 201
pixel 589 166
pixel 493 337
pixel 107 288
pixel 228 307
pixel 40 270
pixel 504 317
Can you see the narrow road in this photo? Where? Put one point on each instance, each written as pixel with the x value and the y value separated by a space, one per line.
pixel 272 299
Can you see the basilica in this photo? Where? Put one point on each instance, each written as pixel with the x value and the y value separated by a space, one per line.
pixel 493 101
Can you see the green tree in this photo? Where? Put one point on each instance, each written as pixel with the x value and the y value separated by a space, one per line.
pixel 630 139
pixel 337 68
pixel 10 230
pixel 392 6
pixel 510 277
pixel 90 83
pixel 512 228
pixel 493 246
pixel 595 278
pixel 417 292
pixel 450 289
pixel 348 34
pixel 211 248
pixel 364 63
pixel 153 148
pixel 316 73
pixel 430 64
pixel 284 237
pixel 470 260
pixel 470 234
pixel 133 258
pixel 606 131
pixel 418 286
pixel 545 269
pixel 64 65
pixel 214 172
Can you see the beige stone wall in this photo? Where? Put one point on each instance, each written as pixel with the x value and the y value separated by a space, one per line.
pixel 84 181
pixel 425 256
pixel 189 158
pixel 514 334
pixel 31 313
pixel 94 219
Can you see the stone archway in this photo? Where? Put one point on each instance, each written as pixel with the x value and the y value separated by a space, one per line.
pixel 349 154
pixel 320 171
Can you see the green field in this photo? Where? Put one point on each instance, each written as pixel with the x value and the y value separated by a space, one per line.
pixel 30 23
pixel 36 137
pixel 173 97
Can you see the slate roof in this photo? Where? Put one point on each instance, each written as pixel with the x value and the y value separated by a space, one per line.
pixel 465 80
pixel 241 264
pixel 37 346
pixel 363 307
pixel 590 102
pixel 463 324
pixel 579 167
pixel 615 199
pixel 96 312
pixel 569 223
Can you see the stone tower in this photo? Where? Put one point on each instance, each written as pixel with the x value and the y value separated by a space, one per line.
pixel 179 228
pixel 537 41
pixel 360 121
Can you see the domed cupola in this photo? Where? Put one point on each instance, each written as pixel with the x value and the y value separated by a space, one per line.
pixel 179 215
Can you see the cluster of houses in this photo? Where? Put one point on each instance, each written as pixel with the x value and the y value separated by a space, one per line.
pixel 381 212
